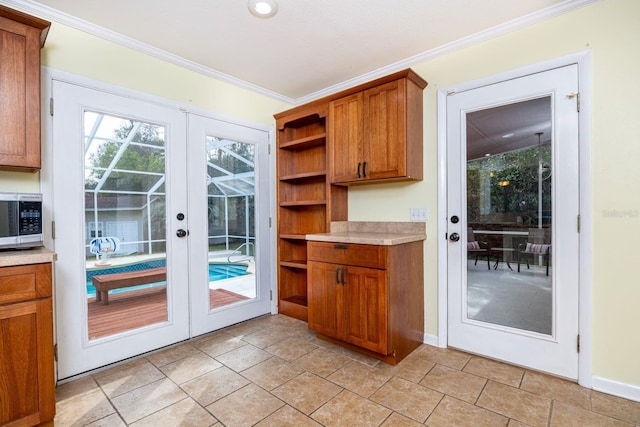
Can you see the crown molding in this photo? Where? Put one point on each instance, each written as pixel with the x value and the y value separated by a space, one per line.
pixel 498 30
pixel 82 25
pixel 51 14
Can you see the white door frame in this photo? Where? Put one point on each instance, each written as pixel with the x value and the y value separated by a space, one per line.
pixel 583 60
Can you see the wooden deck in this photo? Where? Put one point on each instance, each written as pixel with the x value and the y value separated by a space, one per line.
pixel 135 309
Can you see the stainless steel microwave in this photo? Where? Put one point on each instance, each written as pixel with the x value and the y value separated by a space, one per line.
pixel 20 220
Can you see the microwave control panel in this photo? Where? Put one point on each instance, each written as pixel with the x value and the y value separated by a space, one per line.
pixel 30 218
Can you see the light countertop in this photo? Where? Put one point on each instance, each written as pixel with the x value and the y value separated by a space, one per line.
pixel 26 256
pixel 372 233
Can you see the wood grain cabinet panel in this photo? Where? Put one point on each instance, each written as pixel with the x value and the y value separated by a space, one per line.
pixel 27 384
pixel 376 134
pixel 21 37
pixel 367 298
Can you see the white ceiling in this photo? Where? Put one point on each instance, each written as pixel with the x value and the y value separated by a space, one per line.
pixel 310 47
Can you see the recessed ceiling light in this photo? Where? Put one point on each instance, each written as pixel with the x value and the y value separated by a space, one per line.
pixel 508 135
pixel 263 8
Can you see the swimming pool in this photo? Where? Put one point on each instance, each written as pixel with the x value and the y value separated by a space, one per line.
pixel 217 271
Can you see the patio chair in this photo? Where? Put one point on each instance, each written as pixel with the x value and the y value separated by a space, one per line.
pixel 537 244
pixel 477 248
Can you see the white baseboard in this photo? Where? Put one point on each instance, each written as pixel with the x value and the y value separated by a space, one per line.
pixel 616 388
pixel 431 340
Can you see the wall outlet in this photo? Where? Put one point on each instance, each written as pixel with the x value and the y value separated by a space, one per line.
pixel 419 214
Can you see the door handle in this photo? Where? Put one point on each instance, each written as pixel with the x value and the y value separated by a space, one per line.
pixel 454 237
pixel 337 275
pixel 359 170
pixel 364 170
pixel 182 233
pixel 344 270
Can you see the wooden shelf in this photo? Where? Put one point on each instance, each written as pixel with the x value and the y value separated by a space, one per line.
pixel 306 142
pixel 297 299
pixel 300 203
pixel 304 176
pixel 295 264
pixel 306 201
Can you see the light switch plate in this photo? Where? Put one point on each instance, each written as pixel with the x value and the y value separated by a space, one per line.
pixel 419 214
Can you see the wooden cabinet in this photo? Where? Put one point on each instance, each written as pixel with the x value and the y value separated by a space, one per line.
pixel 366 297
pixel 376 133
pixel 369 133
pixel 307 202
pixel 21 37
pixel 27 388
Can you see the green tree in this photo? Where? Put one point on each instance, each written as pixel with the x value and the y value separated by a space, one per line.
pixel 511 181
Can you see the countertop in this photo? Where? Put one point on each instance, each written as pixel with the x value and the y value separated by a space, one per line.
pixel 372 233
pixel 26 256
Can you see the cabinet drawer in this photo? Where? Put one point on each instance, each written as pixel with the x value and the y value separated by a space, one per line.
pixel 371 256
pixel 25 282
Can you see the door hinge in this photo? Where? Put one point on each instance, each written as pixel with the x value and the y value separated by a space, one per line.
pixel 578 344
pixel 51 106
pixel 575 95
pixel 269 149
pixel 579 223
pixel 270 295
pixel 269 222
pixel 55 352
pixel 53 230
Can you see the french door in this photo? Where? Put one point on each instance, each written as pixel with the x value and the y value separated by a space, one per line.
pixel 513 206
pixel 160 236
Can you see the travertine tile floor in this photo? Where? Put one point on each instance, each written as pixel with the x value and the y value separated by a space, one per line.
pixel 272 371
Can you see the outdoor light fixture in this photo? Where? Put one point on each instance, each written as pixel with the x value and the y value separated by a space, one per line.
pixel 263 8
pixel 503 183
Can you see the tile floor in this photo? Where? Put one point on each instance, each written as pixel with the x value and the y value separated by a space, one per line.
pixel 272 371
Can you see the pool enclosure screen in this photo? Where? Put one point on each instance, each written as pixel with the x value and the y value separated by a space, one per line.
pixel 125 191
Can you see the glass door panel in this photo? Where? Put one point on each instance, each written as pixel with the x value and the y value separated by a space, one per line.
pixel 509 215
pixel 124 194
pixel 231 221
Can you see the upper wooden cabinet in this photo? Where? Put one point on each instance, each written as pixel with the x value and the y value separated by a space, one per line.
pixel 376 133
pixel 21 37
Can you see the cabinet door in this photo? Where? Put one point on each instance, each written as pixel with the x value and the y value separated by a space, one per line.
pixel 26 363
pixel 20 100
pixel 366 309
pixel 345 138
pixel 325 298
pixel 384 146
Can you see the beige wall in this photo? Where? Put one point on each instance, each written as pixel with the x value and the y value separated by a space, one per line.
pixel 610 30
pixel 77 52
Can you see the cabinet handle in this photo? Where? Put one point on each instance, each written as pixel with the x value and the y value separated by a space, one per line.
pixel 344 270
pixel 364 170
pixel 359 170
pixel 337 246
pixel 338 275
